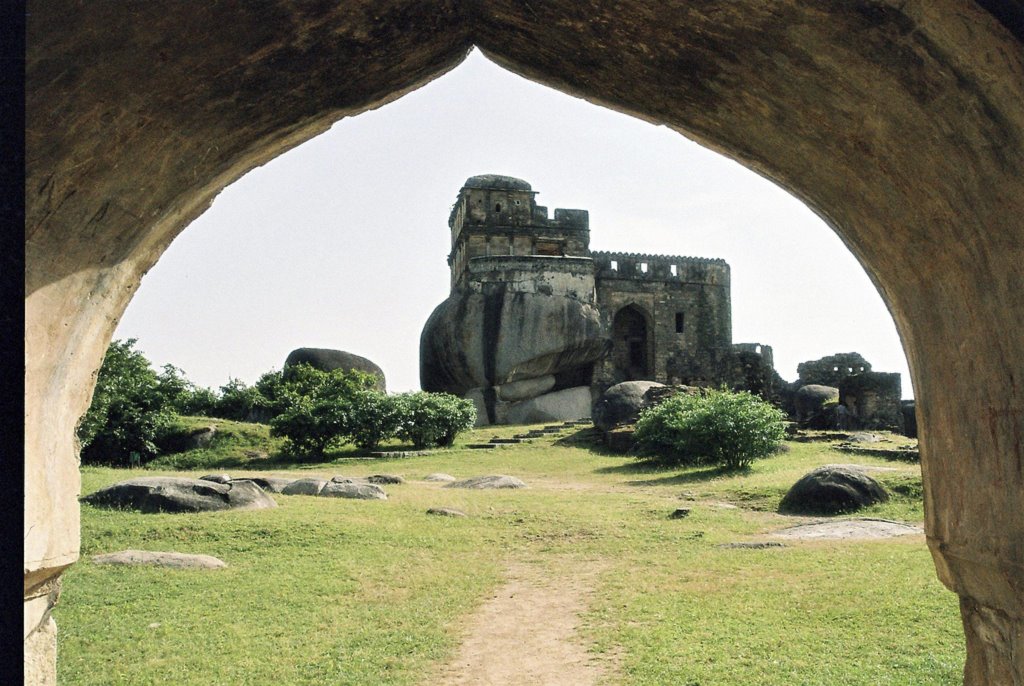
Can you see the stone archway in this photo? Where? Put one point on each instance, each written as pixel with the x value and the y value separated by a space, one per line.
pixel 899 123
pixel 631 345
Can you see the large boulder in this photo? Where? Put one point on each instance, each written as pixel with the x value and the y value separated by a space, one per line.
pixel 307 486
pixel 353 489
pixel 832 489
pixel 568 404
pixel 178 494
pixel 327 360
pixel 478 340
pixel 270 484
pixel 620 404
pixel 810 401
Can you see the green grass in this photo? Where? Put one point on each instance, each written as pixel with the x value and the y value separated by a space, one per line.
pixel 368 592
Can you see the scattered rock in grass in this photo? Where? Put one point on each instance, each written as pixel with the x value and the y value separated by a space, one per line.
pixel 490 481
pixel 179 494
pixel 270 484
pixel 755 545
pixel 864 438
pixel 831 490
pixel 216 478
pixel 620 404
pixel 446 512
pixel 159 559
pixel 386 479
pixel 307 486
pixel 439 477
pixel 680 513
pixel 350 489
pixel 849 529
pixel 863 467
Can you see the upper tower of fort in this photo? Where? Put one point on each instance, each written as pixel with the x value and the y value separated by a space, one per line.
pixel 497 215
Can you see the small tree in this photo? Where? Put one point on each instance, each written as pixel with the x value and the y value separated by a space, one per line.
pixel 434 419
pixel 128 411
pixel 714 427
pixel 181 396
pixel 319 408
pixel 375 417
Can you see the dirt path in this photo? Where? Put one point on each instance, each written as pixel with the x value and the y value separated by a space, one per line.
pixel 526 633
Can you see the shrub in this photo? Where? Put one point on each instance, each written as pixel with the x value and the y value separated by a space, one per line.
pixel 434 419
pixel 128 411
pixel 319 409
pixel 714 427
pixel 374 417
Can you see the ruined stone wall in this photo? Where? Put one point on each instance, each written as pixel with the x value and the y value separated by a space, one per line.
pixel 873 400
pixel 686 302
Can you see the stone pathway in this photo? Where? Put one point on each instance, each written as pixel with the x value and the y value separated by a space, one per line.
pixel 526 633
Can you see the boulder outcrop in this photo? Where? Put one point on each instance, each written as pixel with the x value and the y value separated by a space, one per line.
pixel 327 360
pixel 832 489
pixel 178 494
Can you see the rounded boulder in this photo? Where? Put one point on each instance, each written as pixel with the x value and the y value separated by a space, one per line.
pixel 621 404
pixel 832 489
pixel 327 360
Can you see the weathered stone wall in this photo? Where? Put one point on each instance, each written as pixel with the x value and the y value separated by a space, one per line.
pixel 873 400
pixel 137 117
pixel 664 288
pixel 830 370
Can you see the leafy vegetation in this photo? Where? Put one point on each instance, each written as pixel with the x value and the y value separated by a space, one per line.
pixel 434 419
pixel 128 410
pixel 715 427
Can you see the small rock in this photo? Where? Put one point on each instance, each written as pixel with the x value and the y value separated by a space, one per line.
pixel 490 481
pixel 359 491
pixel 679 513
pixel 439 477
pixel 307 486
pixel 159 559
pixel 446 512
pixel 387 479
pixel 756 545
pixel 865 438
pixel 154 625
pixel 216 478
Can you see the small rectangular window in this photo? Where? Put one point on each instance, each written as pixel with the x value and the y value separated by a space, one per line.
pixel 643 267
pixel 679 322
pixel 615 265
pixel 674 269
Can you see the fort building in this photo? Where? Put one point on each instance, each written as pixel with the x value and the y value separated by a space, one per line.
pixel 663 318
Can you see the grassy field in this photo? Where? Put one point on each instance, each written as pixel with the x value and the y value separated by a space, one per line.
pixel 323 590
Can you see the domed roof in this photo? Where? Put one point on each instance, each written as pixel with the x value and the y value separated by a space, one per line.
pixel 497 182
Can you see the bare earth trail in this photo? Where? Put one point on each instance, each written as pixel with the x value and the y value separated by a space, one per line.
pixel 526 634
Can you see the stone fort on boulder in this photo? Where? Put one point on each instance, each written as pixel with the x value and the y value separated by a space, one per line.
pixel 536 323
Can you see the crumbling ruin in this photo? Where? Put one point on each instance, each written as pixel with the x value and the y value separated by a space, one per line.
pixel 537 324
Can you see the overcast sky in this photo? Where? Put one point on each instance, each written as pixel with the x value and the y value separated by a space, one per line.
pixel 341 242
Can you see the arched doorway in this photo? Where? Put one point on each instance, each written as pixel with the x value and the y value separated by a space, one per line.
pixel 631 345
pixel 137 118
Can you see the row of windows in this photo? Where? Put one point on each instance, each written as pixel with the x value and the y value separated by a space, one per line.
pixel 642 267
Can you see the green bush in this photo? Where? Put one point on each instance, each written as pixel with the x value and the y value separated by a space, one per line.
pixel 128 412
pixel 319 409
pixel 434 419
pixel 714 427
pixel 374 417
pixel 183 397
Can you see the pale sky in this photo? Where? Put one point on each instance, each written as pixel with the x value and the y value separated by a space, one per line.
pixel 341 242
